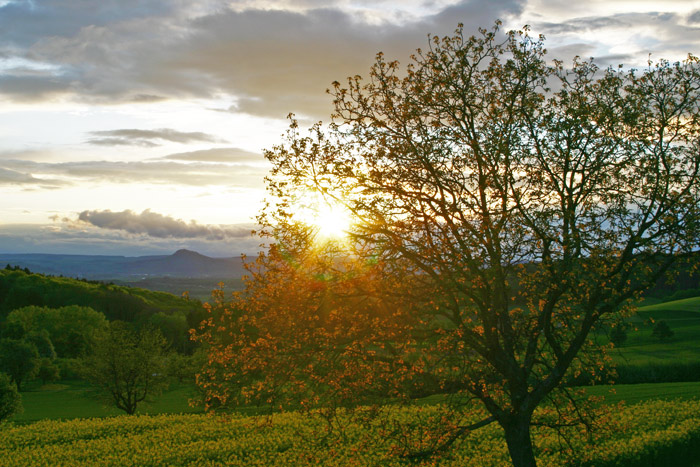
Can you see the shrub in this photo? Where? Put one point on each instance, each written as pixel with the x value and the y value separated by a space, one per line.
pixel 10 400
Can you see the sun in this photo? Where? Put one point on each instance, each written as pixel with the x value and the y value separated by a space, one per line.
pixel 330 220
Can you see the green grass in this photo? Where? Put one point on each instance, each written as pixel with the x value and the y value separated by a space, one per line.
pixel 76 399
pixel 634 393
pixel 688 304
pixel 682 316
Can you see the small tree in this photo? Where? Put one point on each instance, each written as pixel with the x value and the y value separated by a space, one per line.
pixel 10 399
pixel 662 331
pixel 128 366
pixel 19 360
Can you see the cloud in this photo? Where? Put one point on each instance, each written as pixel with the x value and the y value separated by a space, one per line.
pixel 270 60
pixel 82 238
pixel 217 155
pixel 245 174
pixel 694 17
pixel 663 34
pixel 591 23
pixel 146 138
pixel 157 225
pixel 13 177
pixel 278 62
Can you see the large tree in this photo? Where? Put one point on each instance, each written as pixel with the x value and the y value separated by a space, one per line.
pixel 520 203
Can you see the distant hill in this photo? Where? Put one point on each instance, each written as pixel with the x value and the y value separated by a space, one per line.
pixel 183 263
pixel 19 289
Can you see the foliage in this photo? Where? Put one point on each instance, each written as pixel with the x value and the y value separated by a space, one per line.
pixel 175 329
pixel 184 368
pixel 127 366
pixel 70 328
pixel 19 359
pixel 656 433
pixel 505 208
pixel 20 289
pixel 662 331
pixel 42 341
pixel 13 330
pixel 10 399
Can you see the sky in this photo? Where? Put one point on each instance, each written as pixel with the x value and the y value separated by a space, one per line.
pixel 135 127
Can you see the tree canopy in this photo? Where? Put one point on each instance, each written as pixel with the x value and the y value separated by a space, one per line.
pixel 128 366
pixel 10 399
pixel 71 329
pixel 504 206
pixel 19 359
pixel 19 289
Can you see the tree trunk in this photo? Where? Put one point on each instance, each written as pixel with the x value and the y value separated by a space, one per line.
pixel 517 431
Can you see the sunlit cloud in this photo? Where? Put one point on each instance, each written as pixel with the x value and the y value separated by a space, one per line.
pixel 135 137
pixel 12 177
pixel 217 155
pixel 156 171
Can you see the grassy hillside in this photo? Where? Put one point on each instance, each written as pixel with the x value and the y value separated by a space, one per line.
pixel 19 289
pixel 198 288
pixel 682 316
pixel 76 399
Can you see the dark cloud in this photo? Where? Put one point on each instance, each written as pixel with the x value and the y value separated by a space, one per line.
pixel 146 138
pixel 217 155
pixel 32 88
pixel 273 61
pixel 23 21
pixel 694 17
pixel 157 225
pixel 278 62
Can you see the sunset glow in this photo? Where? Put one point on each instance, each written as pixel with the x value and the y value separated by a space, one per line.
pixel 123 109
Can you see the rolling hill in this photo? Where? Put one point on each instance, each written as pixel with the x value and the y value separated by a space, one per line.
pixel 183 263
pixel 19 289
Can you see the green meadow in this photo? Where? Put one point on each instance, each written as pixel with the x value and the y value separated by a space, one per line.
pixel 658 424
